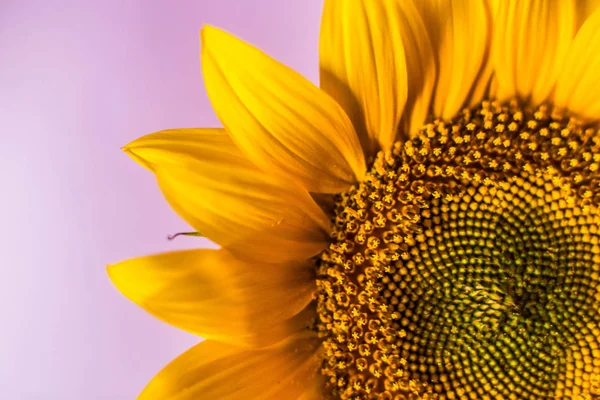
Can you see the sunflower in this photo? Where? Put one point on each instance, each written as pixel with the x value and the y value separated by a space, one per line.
pixel 423 225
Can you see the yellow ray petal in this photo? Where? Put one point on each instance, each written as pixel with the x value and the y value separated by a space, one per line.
pixel 215 371
pixel 211 185
pixel 482 87
pixel 185 147
pixel 212 294
pixel 531 39
pixel 420 64
pixel 257 220
pixel 577 82
pixel 362 66
pixel 459 34
pixel 278 118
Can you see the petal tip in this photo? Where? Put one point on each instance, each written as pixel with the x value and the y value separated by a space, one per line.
pixel 208 32
pixel 112 272
pixel 134 153
pixel 202 32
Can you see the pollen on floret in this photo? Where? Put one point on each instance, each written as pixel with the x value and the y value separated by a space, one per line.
pixel 467 264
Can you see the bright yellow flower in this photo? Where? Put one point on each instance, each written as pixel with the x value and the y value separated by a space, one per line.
pixel 424 225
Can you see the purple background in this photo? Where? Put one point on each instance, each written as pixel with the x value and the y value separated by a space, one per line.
pixel 78 80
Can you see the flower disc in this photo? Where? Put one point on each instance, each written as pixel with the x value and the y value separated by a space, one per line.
pixel 466 265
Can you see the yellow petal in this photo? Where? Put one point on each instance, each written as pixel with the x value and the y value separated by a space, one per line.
pixel 459 34
pixel 215 371
pixel 212 294
pixel 483 86
pixel 531 40
pixel 577 82
pixel 185 147
pixel 255 219
pixel 362 66
pixel 281 121
pixel 211 185
pixel 420 65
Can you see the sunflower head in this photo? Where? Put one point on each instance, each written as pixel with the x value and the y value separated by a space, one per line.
pixel 423 225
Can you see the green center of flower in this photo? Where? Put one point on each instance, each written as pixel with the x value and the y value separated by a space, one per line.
pixel 467 264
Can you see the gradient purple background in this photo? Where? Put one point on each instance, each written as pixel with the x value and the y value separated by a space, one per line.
pixel 78 80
